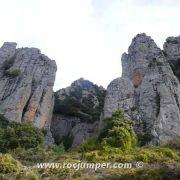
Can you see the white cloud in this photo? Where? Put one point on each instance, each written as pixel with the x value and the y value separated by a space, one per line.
pixel 86 37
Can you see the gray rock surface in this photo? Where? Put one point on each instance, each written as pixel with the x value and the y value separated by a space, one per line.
pixel 62 126
pixel 172 53
pixel 120 94
pixel 82 99
pixel 148 91
pixel 77 112
pixel 82 131
pixel 26 85
pixel 67 127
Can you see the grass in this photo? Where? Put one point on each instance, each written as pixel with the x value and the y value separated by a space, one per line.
pixel 159 163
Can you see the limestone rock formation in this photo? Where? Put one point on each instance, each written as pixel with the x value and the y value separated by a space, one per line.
pixel 71 131
pixel 148 91
pixel 62 126
pixel 26 85
pixel 77 112
pixel 172 53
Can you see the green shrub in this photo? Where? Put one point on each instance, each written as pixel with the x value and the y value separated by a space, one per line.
pixel 147 155
pixel 119 132
pixel 149 173
pixel 8 164
pixel 90 145
pixel 94 157
pixel 28 175
pixel 155 155
pixel 33 155
pixel 13 72
pixel 3 121
pixel 58 149
pixel 144 138
pixel 67 142
pixel 20 135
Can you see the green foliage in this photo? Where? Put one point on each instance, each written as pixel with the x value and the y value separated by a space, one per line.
pixel 33 155
pixel 17 135
pixel 146 155
pixel 67 142
pixel 8 164
pixel 156 154
pixel 119 132
pixel 3 121
pixel 28 175
pixel 90 145
pixel 149 173
pixel 58 149
pixel 144 138
pixel 77 105
pixel 69 106
pixel 13 72
pixel 12 169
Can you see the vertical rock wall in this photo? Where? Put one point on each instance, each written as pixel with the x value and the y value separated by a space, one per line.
pixel 26 85
pixel 148 91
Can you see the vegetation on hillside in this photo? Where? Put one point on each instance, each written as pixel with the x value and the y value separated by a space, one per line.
pixel 116 144
pixel 75 104
pixel 14 135
pixel 13 72
pixel 119 132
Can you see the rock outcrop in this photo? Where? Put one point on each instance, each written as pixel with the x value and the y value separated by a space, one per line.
pixel 77 112
pixel 172 53
pixel 26 85
pixel 71 130
pixel 148 91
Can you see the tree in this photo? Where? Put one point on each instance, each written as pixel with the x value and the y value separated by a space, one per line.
pixel 119 132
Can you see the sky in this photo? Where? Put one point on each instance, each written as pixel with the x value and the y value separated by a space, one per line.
pixel 86 38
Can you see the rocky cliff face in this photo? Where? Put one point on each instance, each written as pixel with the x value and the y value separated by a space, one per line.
pixel 71 130
pixel 76 112
pixel 172 53
pixel 148 90
pixel 26 85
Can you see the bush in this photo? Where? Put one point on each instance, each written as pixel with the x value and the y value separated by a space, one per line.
pixel 13 72
pixel 58 149
pixel 33 155
pixel 8 164
pixel 3 121
pixel 149 173
pixel 28 174
pixel 22 135
pixel 90 145
pixel 67 142
pixel 119 132
pixel 147 155
pixel 144 138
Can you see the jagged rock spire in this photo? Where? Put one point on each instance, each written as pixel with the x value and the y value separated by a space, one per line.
pixel 148 90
